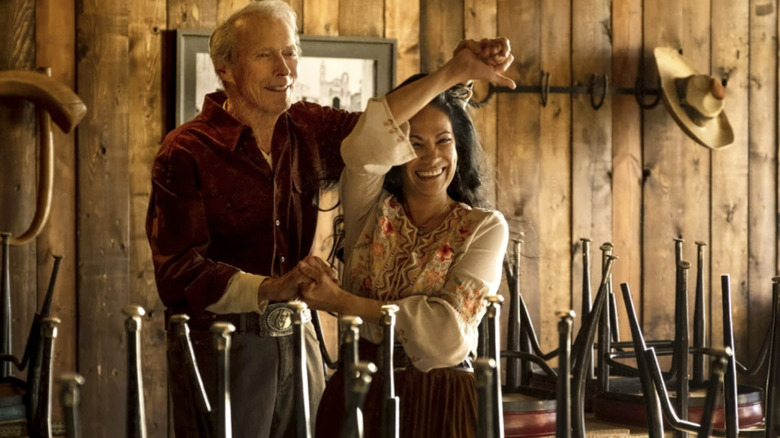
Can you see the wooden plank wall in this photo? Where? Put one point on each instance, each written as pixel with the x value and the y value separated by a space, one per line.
pixel 563 171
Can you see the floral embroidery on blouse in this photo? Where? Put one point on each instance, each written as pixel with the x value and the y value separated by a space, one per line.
pixel 391 261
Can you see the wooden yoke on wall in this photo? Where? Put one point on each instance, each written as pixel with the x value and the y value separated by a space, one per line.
pixel 61 104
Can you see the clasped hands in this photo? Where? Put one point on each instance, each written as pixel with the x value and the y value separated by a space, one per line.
pixel 311 280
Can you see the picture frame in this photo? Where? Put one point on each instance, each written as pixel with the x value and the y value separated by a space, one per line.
pixel 351 69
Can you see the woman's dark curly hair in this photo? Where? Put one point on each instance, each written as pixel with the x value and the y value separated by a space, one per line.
pixel 467 185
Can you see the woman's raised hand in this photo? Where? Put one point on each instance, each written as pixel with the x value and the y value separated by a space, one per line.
pixel 495 53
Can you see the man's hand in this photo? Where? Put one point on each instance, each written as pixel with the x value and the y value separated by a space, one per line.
pixel 285 288
pixel 324 292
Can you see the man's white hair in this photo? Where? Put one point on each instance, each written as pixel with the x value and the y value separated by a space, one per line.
pixel 224 40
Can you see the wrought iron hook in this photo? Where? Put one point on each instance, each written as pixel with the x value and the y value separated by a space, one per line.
pixel 592 88
pixel 640 92
pixel 544 88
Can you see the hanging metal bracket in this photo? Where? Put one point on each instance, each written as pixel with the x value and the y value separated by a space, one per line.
pixel 598 88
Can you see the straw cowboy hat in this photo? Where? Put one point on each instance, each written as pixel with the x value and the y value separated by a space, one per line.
pixel 695 100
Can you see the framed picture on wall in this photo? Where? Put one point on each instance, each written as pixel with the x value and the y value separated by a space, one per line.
pixel 343 72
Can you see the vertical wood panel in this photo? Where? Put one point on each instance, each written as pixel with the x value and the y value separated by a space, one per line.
pixel 18 185
pixel 321 18
pixel 225 8
pixel 762 201
pixel 146 130
pixel 730 168
pixel 104 216
pixel 627 153
pixel 480 22
pixel 591 132
pixel 55 47
pixel 519 142
pixel 696 183
pixel 402 22
pixel 192 14
pixel 441 28
pixel 554 179
pixel 663 141
pixel 361 17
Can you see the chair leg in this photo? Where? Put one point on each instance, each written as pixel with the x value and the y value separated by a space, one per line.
pixel 301 316
pixel 681 342
pixel 730 379
pixel 389 427
pixel 654 421
pixel 484 369
pixel 494 351
pixel 359 376
pixel 772 403
pixel 222 332
pixel 563 390
pixel 70 400
pixel 136 415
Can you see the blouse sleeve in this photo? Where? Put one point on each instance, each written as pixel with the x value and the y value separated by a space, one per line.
pixel 375 145
pixel 441 330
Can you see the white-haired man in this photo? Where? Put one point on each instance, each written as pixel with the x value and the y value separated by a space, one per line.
pixel 232 213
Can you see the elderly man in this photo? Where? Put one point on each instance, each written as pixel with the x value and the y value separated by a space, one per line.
pixel 232 213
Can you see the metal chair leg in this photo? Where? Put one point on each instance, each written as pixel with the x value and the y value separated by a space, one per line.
pixel 772 400
pixel 70 400
pixel 494 352
pixel 654 420
pixel 196 388
pixel 222 332
pixel 389 426
pixel 41 426
pixel 563 389
pixel 359 376
pixel 730 379
pixel 136 415
pixel 300 318
pixel 483 372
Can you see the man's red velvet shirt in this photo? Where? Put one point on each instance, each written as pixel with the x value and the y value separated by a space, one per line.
pixel 217 206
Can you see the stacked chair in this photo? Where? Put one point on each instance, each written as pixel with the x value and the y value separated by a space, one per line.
pixel 724 366
pixel 529 397
pixel 28 401
pixel 628 401
pixel 495 419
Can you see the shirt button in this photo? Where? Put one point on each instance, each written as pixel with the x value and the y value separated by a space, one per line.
pixel 277 222
pixel 282 259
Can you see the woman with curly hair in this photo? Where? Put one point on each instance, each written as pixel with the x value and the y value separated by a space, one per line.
pixel 418 236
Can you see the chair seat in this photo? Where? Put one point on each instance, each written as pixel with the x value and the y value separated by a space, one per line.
pixel 627 406
pixel 528 415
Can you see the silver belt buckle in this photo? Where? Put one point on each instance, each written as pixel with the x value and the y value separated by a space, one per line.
pixel 278 320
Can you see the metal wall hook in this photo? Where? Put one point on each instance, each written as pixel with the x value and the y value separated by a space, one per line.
pixel 597 100
pixel 592 88
pixel 544 88
pixel 641 92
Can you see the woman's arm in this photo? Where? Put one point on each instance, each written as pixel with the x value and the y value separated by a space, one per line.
pixel 440 329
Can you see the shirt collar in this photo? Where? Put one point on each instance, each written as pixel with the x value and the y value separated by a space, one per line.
pixel 229 128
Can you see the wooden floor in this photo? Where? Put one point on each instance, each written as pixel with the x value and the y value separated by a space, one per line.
pixel 602 429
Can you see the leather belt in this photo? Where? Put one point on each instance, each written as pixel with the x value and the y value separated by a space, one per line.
pixel 276 321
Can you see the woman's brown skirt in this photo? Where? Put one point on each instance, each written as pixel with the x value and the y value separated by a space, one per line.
pixel 439 403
